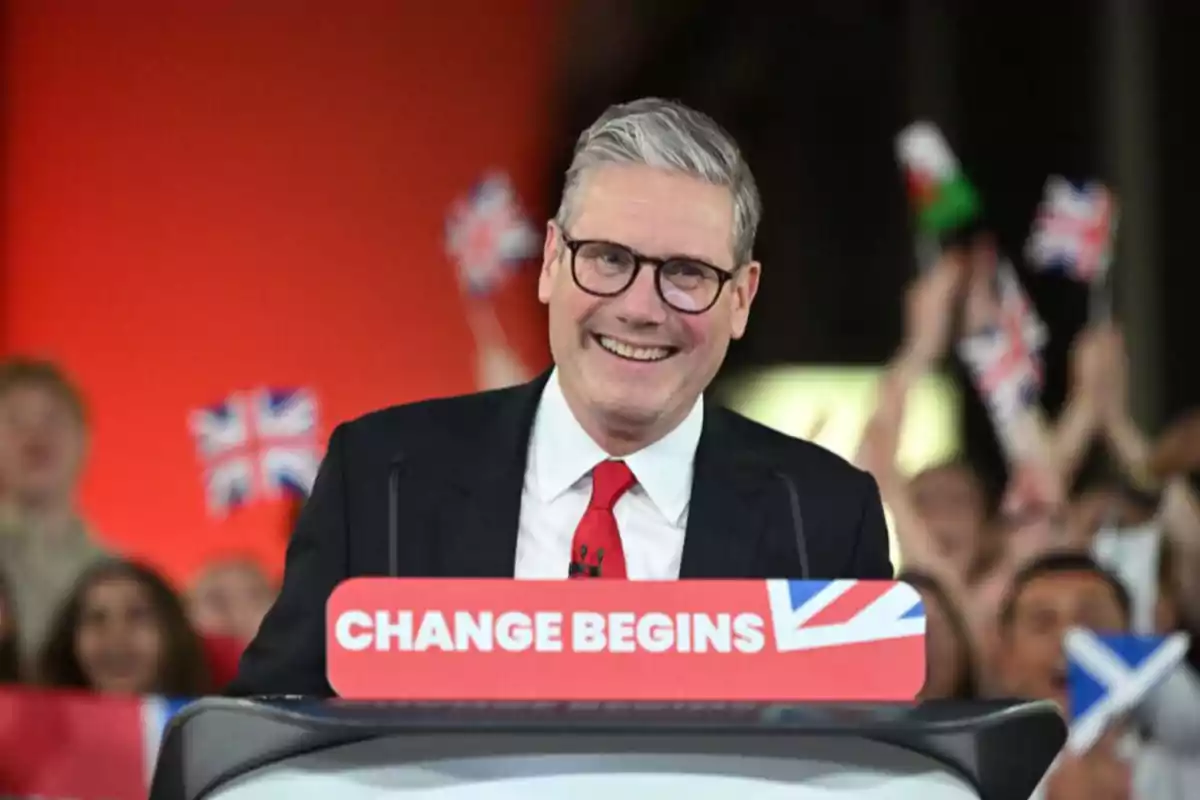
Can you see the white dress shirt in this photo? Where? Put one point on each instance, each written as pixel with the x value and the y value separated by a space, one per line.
pixel 651 516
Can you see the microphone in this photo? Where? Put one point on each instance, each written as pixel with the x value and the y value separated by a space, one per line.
pixel 393 529
pixel 797 522
pixel 581 568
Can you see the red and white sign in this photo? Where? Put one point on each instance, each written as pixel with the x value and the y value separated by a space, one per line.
pixel 776 640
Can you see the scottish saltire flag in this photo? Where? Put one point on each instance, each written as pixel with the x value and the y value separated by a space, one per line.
pixel 1109 675
pixel 487 234
pixel 1073 230
pixel 257 445
pixel 807 615
pixel 942 196
pixel 1005 359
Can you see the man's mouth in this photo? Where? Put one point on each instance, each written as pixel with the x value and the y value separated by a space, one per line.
pixel 634 352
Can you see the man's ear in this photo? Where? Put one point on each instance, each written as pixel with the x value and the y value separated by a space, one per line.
pixel 551 249
pixel 743 289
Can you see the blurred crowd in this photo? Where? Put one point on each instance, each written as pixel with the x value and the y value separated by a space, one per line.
pixel 1004 573
pixel 73 613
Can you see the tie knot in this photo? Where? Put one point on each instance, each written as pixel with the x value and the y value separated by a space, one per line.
pixel 610 480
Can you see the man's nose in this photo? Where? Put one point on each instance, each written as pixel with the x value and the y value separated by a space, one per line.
pixel 640 303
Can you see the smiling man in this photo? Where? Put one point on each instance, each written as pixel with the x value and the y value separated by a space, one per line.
pixel 611 465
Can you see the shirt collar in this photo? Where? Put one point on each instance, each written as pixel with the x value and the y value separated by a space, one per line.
pixel 562 453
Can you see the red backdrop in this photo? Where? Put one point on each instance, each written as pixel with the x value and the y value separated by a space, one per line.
pixel 207 197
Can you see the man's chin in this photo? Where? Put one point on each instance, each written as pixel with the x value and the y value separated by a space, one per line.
pixel 631 408
pixel 627 413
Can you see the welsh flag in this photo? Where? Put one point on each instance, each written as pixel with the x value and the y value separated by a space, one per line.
pixel 944 199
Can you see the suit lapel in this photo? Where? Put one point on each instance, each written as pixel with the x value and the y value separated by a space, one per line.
pixel 725 518
pixel 481 515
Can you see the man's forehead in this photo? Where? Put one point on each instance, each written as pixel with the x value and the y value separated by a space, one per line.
pixel 1067 585
pixel 656 211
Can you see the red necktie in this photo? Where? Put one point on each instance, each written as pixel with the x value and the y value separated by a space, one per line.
pixel 596 550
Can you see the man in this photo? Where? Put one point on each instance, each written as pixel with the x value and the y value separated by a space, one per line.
pixel 44 545
pixel 648 274
pixel 230 598
pixel 1048 596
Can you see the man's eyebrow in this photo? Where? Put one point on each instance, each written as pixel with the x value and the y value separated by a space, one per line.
pixel 666 256
pixel 1037 608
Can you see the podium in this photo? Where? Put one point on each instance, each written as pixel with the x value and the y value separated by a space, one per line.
pixel 271 749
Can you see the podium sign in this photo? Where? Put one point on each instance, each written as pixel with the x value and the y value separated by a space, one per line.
pixel 720 640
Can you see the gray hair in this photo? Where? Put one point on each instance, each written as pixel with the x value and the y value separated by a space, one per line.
pixel 669 135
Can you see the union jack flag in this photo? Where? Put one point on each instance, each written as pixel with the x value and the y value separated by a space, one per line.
pixel 807 615
pixel 1109 675
pixel 487 234
pixel 1005 358
pixel 259 444
pixel 1073 231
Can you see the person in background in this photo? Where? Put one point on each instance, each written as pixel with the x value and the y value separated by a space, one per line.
pixel 939 514
pixel 1049 595
pixel 1172 712
pixel 230 598
pixel 950 497
pixel 950 658
pixel 1153 473
pixel 227 604
pixel 44 544
pixel 1108 501
pixel 10 663
pixel 124 631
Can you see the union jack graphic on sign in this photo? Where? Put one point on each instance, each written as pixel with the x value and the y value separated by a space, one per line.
pixel 807 615
pixel 259 444
pixel 487 235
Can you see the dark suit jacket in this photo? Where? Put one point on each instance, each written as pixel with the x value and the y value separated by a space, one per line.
pixel 462 472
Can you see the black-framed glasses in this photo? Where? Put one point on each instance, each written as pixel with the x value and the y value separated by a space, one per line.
pixel 606 269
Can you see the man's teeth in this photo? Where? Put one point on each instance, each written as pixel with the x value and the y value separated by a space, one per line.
pixel 631 352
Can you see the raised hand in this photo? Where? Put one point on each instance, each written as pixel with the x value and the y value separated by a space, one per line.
pixel 1100 372
pixel 1032 508
pixel 929 307
pixel 1178 449
pixel 1101 773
